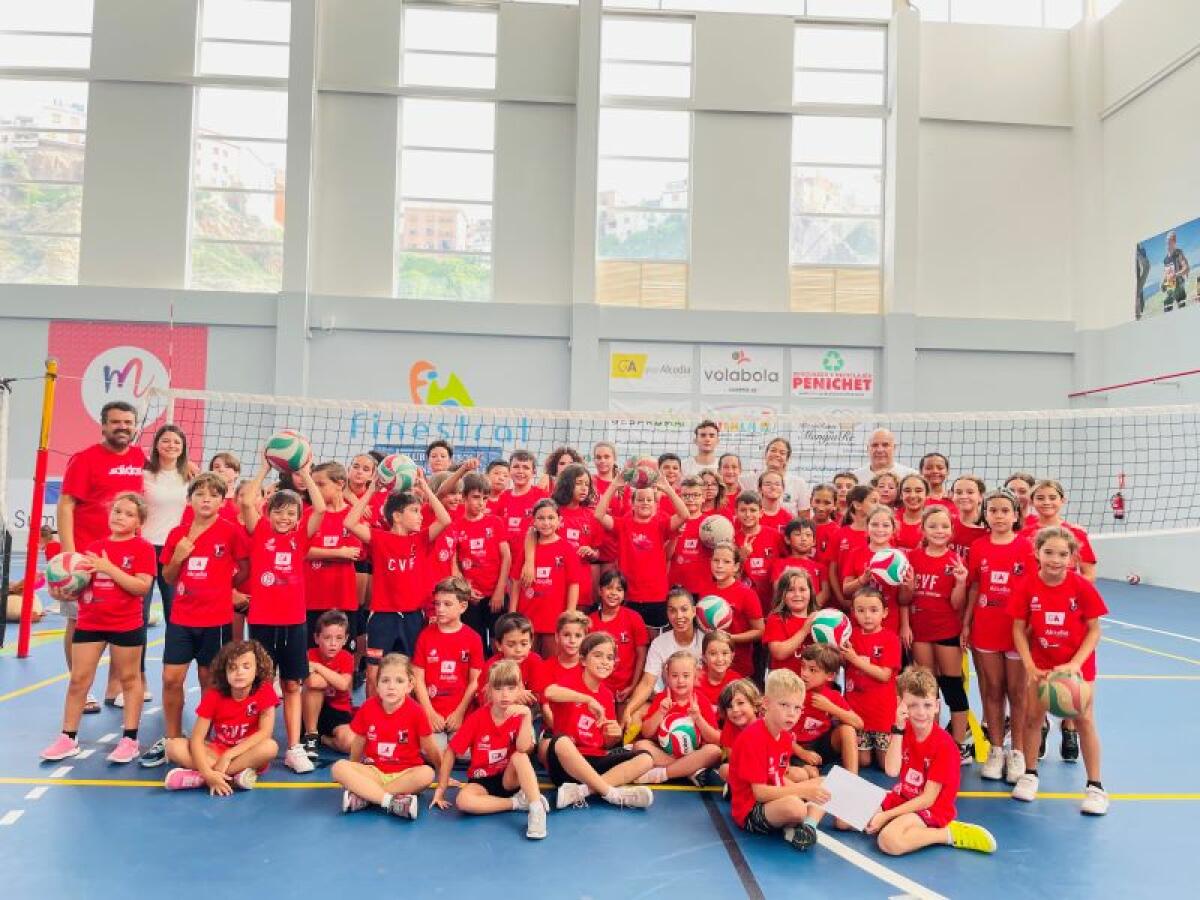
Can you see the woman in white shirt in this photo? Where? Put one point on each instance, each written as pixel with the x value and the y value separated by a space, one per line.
pixel 164 485
pixel 796 492
pixel 682 635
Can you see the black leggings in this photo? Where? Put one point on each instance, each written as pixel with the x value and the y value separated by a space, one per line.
pixel 166 593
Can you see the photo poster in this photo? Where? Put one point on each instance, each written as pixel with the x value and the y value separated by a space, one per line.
pixel 1167 271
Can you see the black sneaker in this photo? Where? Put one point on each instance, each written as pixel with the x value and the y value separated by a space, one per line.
pixel 1045 731
pixel 801 837
pixel 311 746
pixel 1069 750
pixel 966 753
pixel 155 756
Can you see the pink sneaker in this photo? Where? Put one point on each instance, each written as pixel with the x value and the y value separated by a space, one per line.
pixel 126 751
pixel 62 748
pixel 183 780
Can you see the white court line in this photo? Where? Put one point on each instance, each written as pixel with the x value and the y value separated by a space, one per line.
pixel 10 817
pixel 108 738
pixel 151 711
pixel 1174 634
pixel 84 754
pixel 60 772
pixel 37 792
pixel 880 871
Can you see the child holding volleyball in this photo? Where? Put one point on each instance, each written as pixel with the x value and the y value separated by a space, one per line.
pixel 746 623
pixel 680 727
pixel 788 627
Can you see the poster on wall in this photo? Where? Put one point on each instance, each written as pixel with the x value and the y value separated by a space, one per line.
pixel 99 362
pixel 833 374
pixel 649 368
pixel 1165 271
pixel 743 371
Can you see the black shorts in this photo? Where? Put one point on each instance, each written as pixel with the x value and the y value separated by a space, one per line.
pixel 352 625
pixel 823 747
pixel 185 643
pixel 601 764
pixel 287 646
pixel 652 613
pixel 362 566
pixel 134 638
pixel 494 785
pixel 331 719
pixel 393 632
pixel 756 821
pixel 955 641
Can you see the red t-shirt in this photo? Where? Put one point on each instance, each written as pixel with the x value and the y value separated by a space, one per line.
pixel 556 567
pixel 531 667
pixel 579 528
pixel 94 476
pixel 765 547
pixel 848 540
pixel 813 722
pixel 710 693
pixel 689 565
pixel 931 616
pixel 855 564
pixel 400 571
pixel 676 711
pixel 579 723
pixel 204 591
pixel 776 521
pixel 995 571
pixel 934 759
pixel 779 628
pixel 827 535
pixel 817 570
pixel 963 536
pixel 757 758
pixel 945 502
pixel 277 574
pixel 232 721
pixel 729 735
pixel 1056 618
pixel 343 664
pixel 330 583
pixel 447 658
pixel 105 605
pixel 907 536
pixel 1085 555
pixel 551 672
pixel 393 740
pixel 643 557
pixel 491 744
pixel 228 510
pixel 874 700
pixel 629 631
pixel 374 512
pixel 477 543
pixel 746 608
pixel 516 515
pixel 618 506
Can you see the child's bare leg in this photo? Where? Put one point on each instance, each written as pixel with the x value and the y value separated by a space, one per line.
pixel 179 751
pixel 126 666
pixel 1035 713
pixel 340 739
pixel 255 758
pixel 291 710
pixel 84 660
pixel 473 799
pixel 358 779
pixel 992 683
pixel 704 757
pixel 1089 744
pixel 1014 682
pixel 845 742
pixel 173 679
pixel 314 699
pixel 786 811
pixel 908 833
pixel 520 773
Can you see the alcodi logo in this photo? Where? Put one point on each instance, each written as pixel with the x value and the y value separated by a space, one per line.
pixel 426 388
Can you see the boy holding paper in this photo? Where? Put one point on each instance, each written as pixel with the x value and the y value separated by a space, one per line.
pixel 919 811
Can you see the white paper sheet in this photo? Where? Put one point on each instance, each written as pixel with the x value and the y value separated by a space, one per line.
pixel 852 799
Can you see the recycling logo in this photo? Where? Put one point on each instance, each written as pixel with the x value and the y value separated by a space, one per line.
pixel 832 361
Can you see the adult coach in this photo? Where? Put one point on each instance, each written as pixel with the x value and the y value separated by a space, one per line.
pixel 93 478
pixel 881 455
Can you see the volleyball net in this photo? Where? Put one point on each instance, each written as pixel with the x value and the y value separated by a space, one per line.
pixel 1150 455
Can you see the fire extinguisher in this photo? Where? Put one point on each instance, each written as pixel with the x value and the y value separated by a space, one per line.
pixel 1118 499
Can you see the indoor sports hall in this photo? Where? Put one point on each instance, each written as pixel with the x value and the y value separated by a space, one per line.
pixel 839 289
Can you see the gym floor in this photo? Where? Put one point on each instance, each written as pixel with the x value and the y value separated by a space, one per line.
pixel 83 827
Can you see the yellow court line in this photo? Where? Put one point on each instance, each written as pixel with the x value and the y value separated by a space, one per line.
pixel 46 682
pixel 1186 659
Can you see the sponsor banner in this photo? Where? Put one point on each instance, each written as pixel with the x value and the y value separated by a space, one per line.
pixel 1166 271
pixel 832 374
pixel 744 371
pixel 19 501
pixel 649 368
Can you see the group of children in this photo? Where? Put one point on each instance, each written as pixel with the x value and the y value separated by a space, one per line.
pixel 585 590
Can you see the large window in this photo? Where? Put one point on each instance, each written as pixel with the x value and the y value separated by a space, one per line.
pixel 837 214
pixel 453 48
pixel 445 226
pixel 839 65
pixel 646 58
pixel 43 133
pixel 1038 13
pixel 842 9
pixel 238 177
pixel 46 33
pixel 244 38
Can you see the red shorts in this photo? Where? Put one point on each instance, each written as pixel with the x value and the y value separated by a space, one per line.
pixel 891 801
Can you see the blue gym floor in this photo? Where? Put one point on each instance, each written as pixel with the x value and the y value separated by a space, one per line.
pixel 83 828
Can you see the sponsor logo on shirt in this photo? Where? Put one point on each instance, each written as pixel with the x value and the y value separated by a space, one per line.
pixel 1056 618
pixel 267 579
pixel 449 667
pixel 914 778
pixel 197 564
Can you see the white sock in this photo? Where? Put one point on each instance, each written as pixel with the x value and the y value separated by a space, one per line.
pixel 516 800
pixel 386 801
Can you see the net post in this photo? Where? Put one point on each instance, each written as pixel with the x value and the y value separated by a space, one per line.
pixel 35 508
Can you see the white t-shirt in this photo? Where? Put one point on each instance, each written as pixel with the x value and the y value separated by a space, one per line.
pixel 691 468
pixel 864 475
pixel 166 498
pixel 797 495
pixel 661 649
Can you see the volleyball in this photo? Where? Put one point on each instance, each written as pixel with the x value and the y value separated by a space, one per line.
pixel 65 574
pixel 714 613
pixel 1065 694
pixel 889 566
pixel 640 476
pixel 830 626
pixel 398 472
pixel 714 530
pixel 680 737
pixel 288 451
pixel 1133 578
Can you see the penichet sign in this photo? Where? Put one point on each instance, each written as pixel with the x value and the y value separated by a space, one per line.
pixel 829 373
pixel 746 371
pixel 650 368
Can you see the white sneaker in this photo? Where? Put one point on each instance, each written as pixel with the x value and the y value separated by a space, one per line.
pixel 351 802
pixel 571 794
pixel 636 797
pixel 405 806
pixel 297 760
pixel 993 769
pixel 535 829
pixel 520 802
pixel 1095 801
pixel 1026 788
pixel 245 779
pixel 1014 768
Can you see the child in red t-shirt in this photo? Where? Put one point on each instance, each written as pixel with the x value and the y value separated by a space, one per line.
pixel 565 667
pixel 688 555
pixel 681 707
pixel 914 493
pixel 448 660
pixel 122 568
pixel 827 729
pixel 871 661
pixel 856 570
pixel 919 811
pixel 967 515
pixel 746 626
pixel 824 510
pixel 851 537
pixel 328 707
pixel 514 640
pixel 888 487
pixel 578 526
pixel 231 742
pixel 935 469
pixel 1048 499
pixel 788 626
pixel 716 667
pixel 391 733
pixel 584 757
pixel 1056 627
pixel 629 632
pixel 329 576
pixel 800 539
pixel 760 545
pixel 550 576
pixel 766 794
pixel 484 557
pixel 499 739
pixel 739 704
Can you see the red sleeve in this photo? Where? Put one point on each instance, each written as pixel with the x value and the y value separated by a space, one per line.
pixel 1086 553
pixel 462 739
pixel 343 663
pixel 973 565
pixel 208 704
pixel 891 652
pixel 52 549
pixel 267 698
pixel 76 478
pixel 241 542
pixel 944 766
pixel 475 660
pixel 360 723
pixel 641 637
pixel 749 759
pixel 1093 604
pixel 655 704
pixel 421 652
pixel 145 564
pixel 1018 603
pixel 577 570
pixel 421 721
pixel 751 604
pixel 773 630
pixel 610 705
pixel 168 549
pixel 837 698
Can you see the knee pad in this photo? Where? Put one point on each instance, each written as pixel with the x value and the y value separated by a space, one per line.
pixel 952 689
